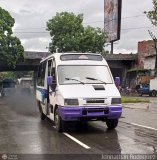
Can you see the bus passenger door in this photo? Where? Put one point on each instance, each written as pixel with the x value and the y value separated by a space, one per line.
pixel 51 89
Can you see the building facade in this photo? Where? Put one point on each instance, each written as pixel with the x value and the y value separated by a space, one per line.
pixel 146 55
pixel 120 64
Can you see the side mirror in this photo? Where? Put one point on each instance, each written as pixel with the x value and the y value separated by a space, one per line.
pixel 49 80
pixel 117 81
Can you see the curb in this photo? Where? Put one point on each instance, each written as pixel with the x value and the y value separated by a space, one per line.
pixel 146 108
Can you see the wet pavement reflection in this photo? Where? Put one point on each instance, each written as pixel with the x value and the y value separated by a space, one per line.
pixel 23 132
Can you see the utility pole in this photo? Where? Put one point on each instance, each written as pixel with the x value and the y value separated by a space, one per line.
pixel 112 47
pixel 155 46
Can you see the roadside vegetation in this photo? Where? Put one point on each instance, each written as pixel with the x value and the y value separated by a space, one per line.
pixel 134 100
pixel 11 50
pixel 69 34
pixel 152 14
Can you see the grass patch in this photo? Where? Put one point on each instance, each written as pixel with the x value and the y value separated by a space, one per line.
pixel 134 100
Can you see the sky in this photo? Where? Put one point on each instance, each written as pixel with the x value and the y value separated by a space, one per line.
pixel 31 17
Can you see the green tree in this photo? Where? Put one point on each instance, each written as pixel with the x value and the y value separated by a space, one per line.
pixel 152 15
pixel 11 50
pixel 92 40
pixel 15 74
pixel 69 34
pixel 4 75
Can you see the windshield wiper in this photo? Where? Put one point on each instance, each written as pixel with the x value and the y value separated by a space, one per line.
pixel 94 79
pixel 74 80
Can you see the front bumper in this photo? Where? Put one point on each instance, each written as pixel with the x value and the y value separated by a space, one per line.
pixel 89 113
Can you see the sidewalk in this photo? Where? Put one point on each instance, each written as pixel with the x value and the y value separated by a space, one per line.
pixel 136 105
pixel 143 106
pixel 140 113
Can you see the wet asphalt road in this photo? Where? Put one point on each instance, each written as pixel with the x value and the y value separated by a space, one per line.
pixel 22 132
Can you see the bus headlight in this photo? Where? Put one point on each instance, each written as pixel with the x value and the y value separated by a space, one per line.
pixel 116 101
pixel 71 102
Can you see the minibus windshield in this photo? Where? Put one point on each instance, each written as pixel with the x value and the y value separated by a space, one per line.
pixel 97 74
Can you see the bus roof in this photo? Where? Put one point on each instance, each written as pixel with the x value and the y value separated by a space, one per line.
pixel 77 58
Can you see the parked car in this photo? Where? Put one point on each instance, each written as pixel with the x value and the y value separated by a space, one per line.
pixel 153 87
pixel 7 87
pixel 26 84
pixel 144 89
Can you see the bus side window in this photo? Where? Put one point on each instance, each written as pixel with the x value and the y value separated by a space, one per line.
pixel 49 67
pixel 41 74
pixel 53 74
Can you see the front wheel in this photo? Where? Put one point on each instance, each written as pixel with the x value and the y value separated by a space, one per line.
pixel 154 93
pixel 111 123
pixel 58 122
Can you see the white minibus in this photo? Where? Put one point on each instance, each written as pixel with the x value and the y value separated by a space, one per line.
pixel 79 87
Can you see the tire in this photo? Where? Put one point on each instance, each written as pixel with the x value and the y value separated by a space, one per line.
pixel 59 123
pixel 42 115
pixel 154 93
pixel 150 94
pixel 111 123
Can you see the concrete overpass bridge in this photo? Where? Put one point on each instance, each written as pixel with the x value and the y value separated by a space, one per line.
pixel 30 63
pixel 119 63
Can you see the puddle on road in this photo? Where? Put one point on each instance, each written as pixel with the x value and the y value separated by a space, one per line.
pixel 132 146
pixel 135 140
pixel 123 140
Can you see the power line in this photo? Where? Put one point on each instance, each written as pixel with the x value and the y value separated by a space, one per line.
pixel 33 32
pixel 133 16
pixel 138 28
pixel 115 19
pixel 45 32
pixel 124 29
pixel 30 28
pixel 83 23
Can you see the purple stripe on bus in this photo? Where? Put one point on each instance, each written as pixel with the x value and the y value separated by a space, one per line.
pixel 78 112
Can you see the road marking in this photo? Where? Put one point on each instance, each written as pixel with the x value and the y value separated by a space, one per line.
pixel 140 125
pixel 143 126
pixel 76 140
